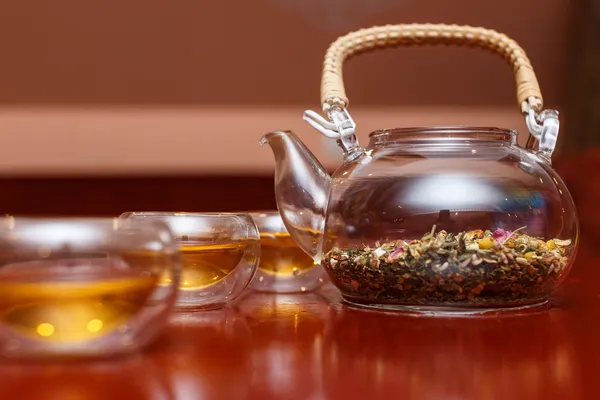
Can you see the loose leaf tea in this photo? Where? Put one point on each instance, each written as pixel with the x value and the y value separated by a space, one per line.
pixel 477 266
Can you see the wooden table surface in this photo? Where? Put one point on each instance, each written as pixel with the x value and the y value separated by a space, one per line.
pixel 312 346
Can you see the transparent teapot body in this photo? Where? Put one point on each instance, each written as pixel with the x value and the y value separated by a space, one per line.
pixel 459 217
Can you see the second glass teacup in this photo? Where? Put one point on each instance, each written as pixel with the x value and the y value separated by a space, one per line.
pixel 219 255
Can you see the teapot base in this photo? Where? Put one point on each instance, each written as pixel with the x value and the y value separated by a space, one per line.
pixel 448 310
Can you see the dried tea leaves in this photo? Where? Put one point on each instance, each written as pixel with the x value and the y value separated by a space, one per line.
pixel 474 267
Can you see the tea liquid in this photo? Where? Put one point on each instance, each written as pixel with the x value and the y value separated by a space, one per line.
pixel 281 256
pixel 61 308
pixel 204 265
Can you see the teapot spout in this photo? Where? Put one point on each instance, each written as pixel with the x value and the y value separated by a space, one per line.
pixel 302 188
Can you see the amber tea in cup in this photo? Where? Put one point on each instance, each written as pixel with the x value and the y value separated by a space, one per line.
pixel 283 267
pixel 82 287
pixel 219 254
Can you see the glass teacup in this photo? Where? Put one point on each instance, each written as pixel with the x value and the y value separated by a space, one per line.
pixel 283 267
pixel 219 254
pixel 84 287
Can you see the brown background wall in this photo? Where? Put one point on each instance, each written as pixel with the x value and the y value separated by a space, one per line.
pixel 262 52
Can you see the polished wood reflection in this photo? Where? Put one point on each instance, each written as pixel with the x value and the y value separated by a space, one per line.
pixel 313 346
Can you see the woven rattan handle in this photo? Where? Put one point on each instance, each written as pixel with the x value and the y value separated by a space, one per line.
pixel 333 93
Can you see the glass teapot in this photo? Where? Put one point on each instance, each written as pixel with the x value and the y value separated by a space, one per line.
pixel 444 218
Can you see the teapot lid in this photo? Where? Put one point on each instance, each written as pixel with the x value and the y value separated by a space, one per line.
pixel 442 133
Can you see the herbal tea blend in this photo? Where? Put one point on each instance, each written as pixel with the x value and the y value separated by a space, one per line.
pixel 469 267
